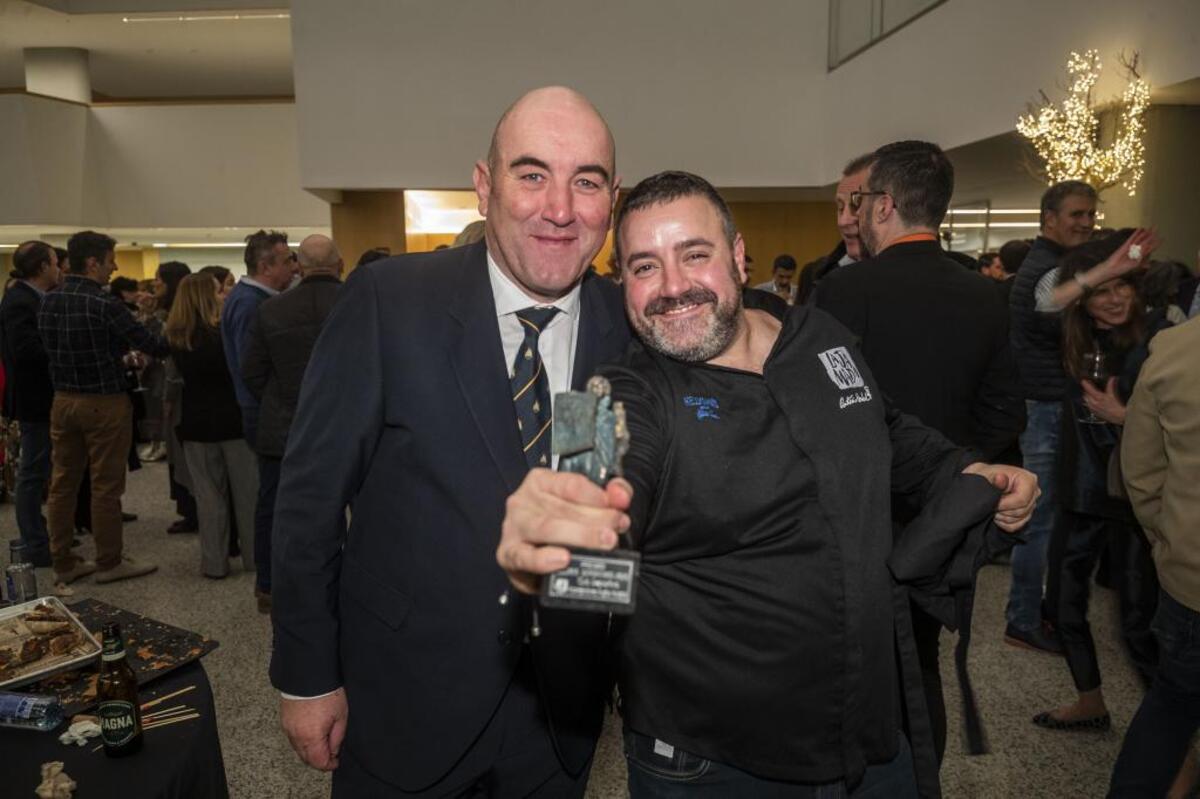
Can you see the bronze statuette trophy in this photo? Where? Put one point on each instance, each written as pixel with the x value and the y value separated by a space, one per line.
pixel 590 437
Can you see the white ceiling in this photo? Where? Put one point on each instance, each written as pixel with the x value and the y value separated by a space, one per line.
pixel 207 58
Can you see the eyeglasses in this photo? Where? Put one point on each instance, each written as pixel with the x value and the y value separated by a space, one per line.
pixel 856 198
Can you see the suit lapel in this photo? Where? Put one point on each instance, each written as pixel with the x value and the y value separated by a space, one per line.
pixel 595 322
pixel 478 361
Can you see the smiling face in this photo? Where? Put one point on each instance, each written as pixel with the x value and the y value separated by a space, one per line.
pixel 1072 224
pixel 847 220
pixel 682 279
pixel 547 192
pixel 1111 304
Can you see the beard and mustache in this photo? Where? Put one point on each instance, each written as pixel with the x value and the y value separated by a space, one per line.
pixel 692 339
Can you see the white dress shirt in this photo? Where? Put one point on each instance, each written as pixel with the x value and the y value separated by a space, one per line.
pixel 556 343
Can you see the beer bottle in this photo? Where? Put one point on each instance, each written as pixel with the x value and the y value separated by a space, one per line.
pixel 120 712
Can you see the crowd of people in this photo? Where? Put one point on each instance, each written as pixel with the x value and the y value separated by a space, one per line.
pixel 104 373
pixel 1033 404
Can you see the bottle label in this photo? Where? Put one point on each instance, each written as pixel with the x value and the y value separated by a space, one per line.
pixel 118 723
pixel 17 707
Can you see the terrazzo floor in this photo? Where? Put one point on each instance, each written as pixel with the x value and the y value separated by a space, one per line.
pixel 1012 685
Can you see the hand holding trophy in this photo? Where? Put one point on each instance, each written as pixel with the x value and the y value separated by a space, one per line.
pixel 591 438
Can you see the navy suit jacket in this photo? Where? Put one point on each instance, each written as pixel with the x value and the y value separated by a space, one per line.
pixel 406 416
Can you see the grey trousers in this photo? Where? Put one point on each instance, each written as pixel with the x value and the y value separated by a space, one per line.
pixel 219 470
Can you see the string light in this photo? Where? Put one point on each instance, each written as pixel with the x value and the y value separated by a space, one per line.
pixel 1066 137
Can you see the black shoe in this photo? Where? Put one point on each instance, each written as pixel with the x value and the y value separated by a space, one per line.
pixel 1094 724
pixel 183 526
pixel 128 517
pixel 1039 639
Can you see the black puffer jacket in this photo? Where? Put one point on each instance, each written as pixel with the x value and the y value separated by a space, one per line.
pixel 1036 337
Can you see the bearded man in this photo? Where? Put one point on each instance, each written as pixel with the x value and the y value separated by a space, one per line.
pixel 771 652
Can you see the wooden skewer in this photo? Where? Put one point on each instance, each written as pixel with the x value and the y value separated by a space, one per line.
pixel 166 711
pixel 155 724
pixel 161 699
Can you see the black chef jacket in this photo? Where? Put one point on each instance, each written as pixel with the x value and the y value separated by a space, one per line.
pixel 764 633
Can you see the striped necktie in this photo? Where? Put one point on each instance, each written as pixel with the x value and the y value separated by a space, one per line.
pixel 531 388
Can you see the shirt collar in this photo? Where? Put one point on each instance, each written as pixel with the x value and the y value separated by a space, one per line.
pixel 270 291
pixel 510 299
pixel 40 293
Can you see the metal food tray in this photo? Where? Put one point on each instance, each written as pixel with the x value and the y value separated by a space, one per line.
pixel 55 665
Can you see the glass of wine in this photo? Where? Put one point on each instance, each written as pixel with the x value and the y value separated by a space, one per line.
pixel 134 366
pixel 1095 371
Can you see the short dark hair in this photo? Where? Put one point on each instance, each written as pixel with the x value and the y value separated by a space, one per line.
pixel 784 262
pixel 64 257
pixel 985 259
pixel 88 244
pixel 259 245
pixel 373 254
pixel 667 187
pixel 29 258
pixel 858 164
pixel 918 176
pixel 1052 198
pixel 1013 254
pixel 120 283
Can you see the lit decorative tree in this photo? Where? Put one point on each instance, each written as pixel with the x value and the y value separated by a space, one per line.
pixel 1066 136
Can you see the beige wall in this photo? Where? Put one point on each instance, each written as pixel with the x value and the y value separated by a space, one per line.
pixel 735 91
pixel 141 166
pixel 1169 196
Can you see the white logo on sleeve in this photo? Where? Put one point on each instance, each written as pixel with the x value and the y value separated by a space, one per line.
pixel 841 368
pixel 845 375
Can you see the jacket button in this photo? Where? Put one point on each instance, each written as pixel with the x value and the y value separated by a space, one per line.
pixel 505 638
pixel 504 598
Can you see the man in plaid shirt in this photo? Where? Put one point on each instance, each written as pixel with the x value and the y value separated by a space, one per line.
pixel 88 333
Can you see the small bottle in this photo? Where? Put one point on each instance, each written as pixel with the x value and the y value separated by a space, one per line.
pixel 30 711
pixel 120 712
pixel 16 554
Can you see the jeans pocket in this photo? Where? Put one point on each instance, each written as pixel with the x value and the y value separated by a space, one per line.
pixel 663 760
pixel 1177 630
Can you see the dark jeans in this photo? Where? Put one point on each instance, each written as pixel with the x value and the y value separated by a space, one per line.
pixel 264 515
pixel 33 474
pixel 1039 446
pixel 660 771
pixel 1074 549
pixel 1160 734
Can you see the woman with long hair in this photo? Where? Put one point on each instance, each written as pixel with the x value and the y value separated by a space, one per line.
pixel 225 279
pixel 1106 334
pixel 219 460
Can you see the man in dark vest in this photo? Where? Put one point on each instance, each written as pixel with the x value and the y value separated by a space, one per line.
pixel 1068 215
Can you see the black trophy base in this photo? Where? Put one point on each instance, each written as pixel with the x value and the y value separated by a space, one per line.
pixel 599 580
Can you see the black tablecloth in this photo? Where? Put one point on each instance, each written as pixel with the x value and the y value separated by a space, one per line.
pixel 179 760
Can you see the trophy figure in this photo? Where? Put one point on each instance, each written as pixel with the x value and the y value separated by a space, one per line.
pixel 590 437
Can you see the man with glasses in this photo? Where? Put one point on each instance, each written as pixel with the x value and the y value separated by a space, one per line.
pixel 849 249
pixel 935 335
pixel 270 267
